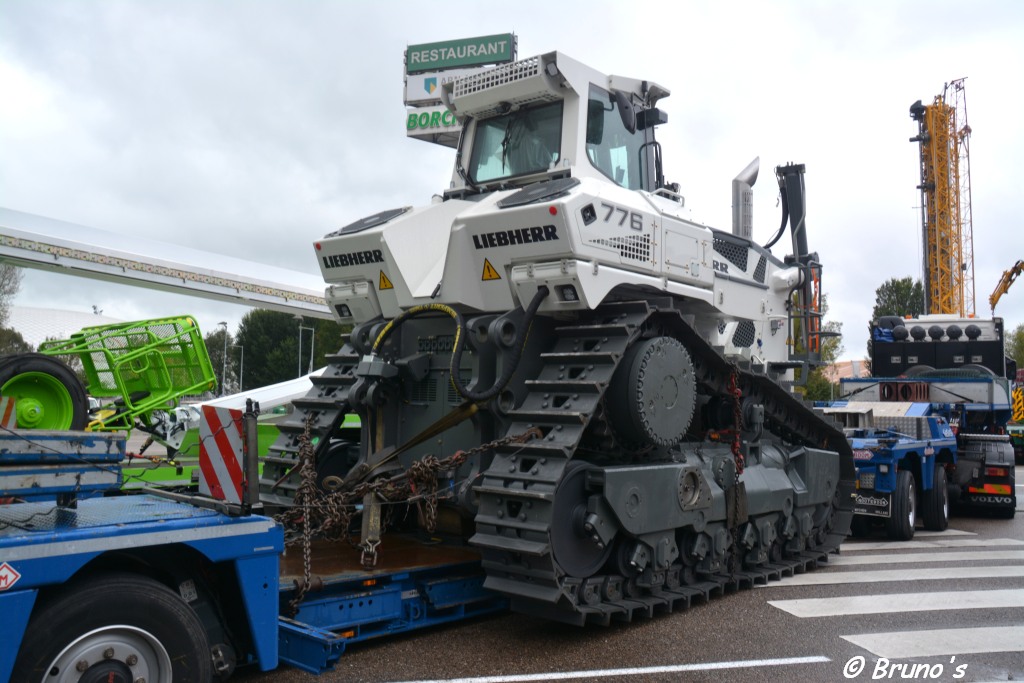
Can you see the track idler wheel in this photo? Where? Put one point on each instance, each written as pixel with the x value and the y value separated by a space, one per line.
pixel 573 546
pixel 653 393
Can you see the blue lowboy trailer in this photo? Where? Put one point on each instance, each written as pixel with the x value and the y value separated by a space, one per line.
pixel 181 588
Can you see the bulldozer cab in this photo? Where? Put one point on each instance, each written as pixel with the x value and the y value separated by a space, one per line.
pixel 551 117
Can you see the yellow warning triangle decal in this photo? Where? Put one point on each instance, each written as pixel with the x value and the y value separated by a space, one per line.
pixel 489 272
pixel 385 283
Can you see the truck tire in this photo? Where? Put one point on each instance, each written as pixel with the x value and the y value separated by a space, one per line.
pixel 935 503
pixel 49 395
pixel 152 633
pixel 900 525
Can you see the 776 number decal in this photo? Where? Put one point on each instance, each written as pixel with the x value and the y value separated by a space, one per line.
pixel 636 220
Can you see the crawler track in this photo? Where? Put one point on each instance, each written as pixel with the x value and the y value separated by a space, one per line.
pixel 327 403
pixel 518 492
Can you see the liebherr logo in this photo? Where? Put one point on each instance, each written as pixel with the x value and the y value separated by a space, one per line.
pixel 353 259
pixel 503 238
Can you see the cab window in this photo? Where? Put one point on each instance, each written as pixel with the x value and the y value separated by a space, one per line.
pixel 611 148
pixel 521 142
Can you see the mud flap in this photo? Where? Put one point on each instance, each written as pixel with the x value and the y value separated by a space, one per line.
pixel 873 503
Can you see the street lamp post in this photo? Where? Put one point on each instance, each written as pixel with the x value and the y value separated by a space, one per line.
pixel 312 340
pixel 241 364
pixel 224 365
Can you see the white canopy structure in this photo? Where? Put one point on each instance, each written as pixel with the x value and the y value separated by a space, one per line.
pixel 33 241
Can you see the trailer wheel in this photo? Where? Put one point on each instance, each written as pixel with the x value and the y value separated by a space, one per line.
pixel 935 503
pixel 49 395
pixel 900 525
pixel 115 627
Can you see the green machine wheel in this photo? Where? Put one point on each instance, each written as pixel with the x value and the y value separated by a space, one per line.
pixel 48 394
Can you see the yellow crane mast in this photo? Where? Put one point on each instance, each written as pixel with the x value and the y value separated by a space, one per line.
pixel 946 229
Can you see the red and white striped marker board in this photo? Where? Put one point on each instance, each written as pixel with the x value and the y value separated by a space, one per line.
pixel 220 454
pixel 8 415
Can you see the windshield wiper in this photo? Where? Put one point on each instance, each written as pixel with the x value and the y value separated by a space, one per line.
pixel 458 157
pixel 513 126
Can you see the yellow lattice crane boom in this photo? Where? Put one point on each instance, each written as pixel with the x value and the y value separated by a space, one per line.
pixel 1005 281
pixel 946 230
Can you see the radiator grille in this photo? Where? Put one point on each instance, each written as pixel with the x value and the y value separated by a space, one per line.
pixel 636 247
pixel 734 253
pixel 762 265
pixel 744 335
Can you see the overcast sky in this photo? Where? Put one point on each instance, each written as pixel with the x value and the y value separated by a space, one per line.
pixel 254 128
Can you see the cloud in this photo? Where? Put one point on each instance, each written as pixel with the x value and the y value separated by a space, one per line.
pixel 253 128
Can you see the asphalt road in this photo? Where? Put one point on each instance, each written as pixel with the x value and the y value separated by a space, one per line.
pixel 951 603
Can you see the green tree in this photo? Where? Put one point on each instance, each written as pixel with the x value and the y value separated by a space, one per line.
pixel 12 342
pixel 10 283
pixel 271 343
pixel 329 337
pixel 899 296
pixel 227 373
pixel 1015 345
pixel 268 341
pixel 902 296
pixel 818 387
pixel 72 360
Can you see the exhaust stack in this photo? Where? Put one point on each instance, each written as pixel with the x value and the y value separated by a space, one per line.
pixel 743 200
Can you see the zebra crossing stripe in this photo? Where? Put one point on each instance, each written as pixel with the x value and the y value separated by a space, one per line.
pixel 900 602
pixel 820 578
pixel 646 671
pixel 856 546
pixel 941 642
pixel 947 532
pixel 958 556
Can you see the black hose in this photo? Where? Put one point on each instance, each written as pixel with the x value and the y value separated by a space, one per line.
pixel 460 342
pixel 785 219
pixel 412 312
pixel 510 367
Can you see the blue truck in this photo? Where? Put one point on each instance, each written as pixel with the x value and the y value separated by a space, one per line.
pixel 903 454
pixel 147 587
pixel 934 416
